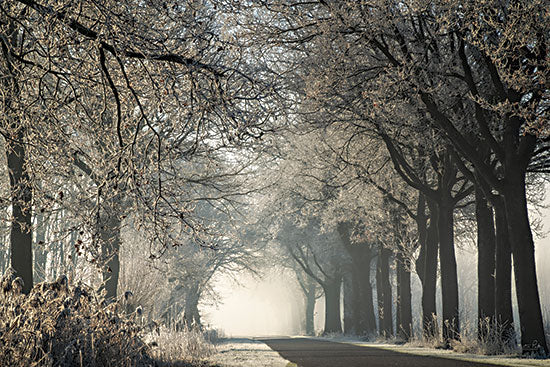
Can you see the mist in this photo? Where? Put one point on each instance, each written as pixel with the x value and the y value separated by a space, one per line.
pixel 272 304
pixel 252 306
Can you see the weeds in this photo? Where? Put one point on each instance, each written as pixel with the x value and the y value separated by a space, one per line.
pixel 495 339
pixel 56 325
pixel 191 345
pixel 60 325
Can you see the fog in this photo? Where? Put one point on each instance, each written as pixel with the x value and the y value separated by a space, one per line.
pixel 251 306
pixel 273 304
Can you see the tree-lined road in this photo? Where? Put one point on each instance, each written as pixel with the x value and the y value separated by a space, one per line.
pixel 320 353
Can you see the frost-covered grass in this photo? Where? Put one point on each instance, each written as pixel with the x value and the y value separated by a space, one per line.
pixel 62 325
pixel 243 352
pixel 174 348
pixel 502 360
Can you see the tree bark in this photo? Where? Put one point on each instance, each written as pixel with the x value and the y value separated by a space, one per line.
pixel 109 232
pixel 422 229
pixel 362 267
pixel 351 317
pixel 368 319
pixel 191 315
pixel 21 202
pixel 20 186
pixel 40 254
pixel 503 274
pixel 398 294
pixel 310 307
pixel 523 250
pixel 404 324
pixel 361 254
pixel 449 279
pixel 429 311
pixel 383 289
pixel 485 264
pixel 333 323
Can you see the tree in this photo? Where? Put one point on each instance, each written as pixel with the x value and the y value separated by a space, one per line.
pixel 74 75
pixel 466 72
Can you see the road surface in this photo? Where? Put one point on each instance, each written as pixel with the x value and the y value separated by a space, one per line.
pixel 320 353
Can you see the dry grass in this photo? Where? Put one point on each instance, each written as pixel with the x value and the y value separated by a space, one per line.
pixel 496 340
pixel 61 325
pixel 187 347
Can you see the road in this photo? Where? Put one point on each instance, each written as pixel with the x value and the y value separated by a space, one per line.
pixel 319 353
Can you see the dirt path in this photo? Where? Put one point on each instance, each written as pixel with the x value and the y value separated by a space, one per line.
pixel 319 353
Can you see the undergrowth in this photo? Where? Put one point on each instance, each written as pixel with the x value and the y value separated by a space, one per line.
pixel 60 325
pixel 188 346
pixel 496 339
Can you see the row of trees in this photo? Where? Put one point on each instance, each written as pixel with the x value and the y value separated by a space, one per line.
pixel 455 98
pixel 394 124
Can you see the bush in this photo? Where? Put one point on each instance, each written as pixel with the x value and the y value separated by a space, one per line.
pixel 60 325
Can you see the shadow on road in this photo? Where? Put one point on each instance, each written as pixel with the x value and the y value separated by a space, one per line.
pixel 320 353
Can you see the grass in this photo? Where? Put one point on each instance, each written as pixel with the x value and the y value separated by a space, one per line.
pixel 180 348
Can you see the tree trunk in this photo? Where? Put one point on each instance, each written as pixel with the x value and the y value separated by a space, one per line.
pixel 40 253
pixel 367 324
pixel 429 310
pixel 398 266
pixel 485 264
pixel 191 314
pixel 21 201
pixel 449 279
pixel 110 240
pixel 523 250
pixel 332 306
pixel 361 254
pixel 383 289
pixel 503 274
pixel 310 307
pixel 350 304
pixel 404 325
pixel 422 229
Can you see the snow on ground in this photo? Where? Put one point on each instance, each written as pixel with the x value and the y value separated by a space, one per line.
pixel 244 352
pixel 512 361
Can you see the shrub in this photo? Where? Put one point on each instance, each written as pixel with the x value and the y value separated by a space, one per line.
pixel 60 325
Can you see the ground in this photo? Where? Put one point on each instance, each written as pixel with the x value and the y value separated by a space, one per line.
pixel 246 352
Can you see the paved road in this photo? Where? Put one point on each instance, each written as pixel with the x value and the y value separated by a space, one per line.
pixel 319 353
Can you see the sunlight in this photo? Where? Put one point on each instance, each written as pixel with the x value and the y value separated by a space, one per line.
pixel 256 307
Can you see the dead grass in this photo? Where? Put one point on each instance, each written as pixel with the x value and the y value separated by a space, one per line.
pixel 495 340
pixel 189 346
pixel 61 325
